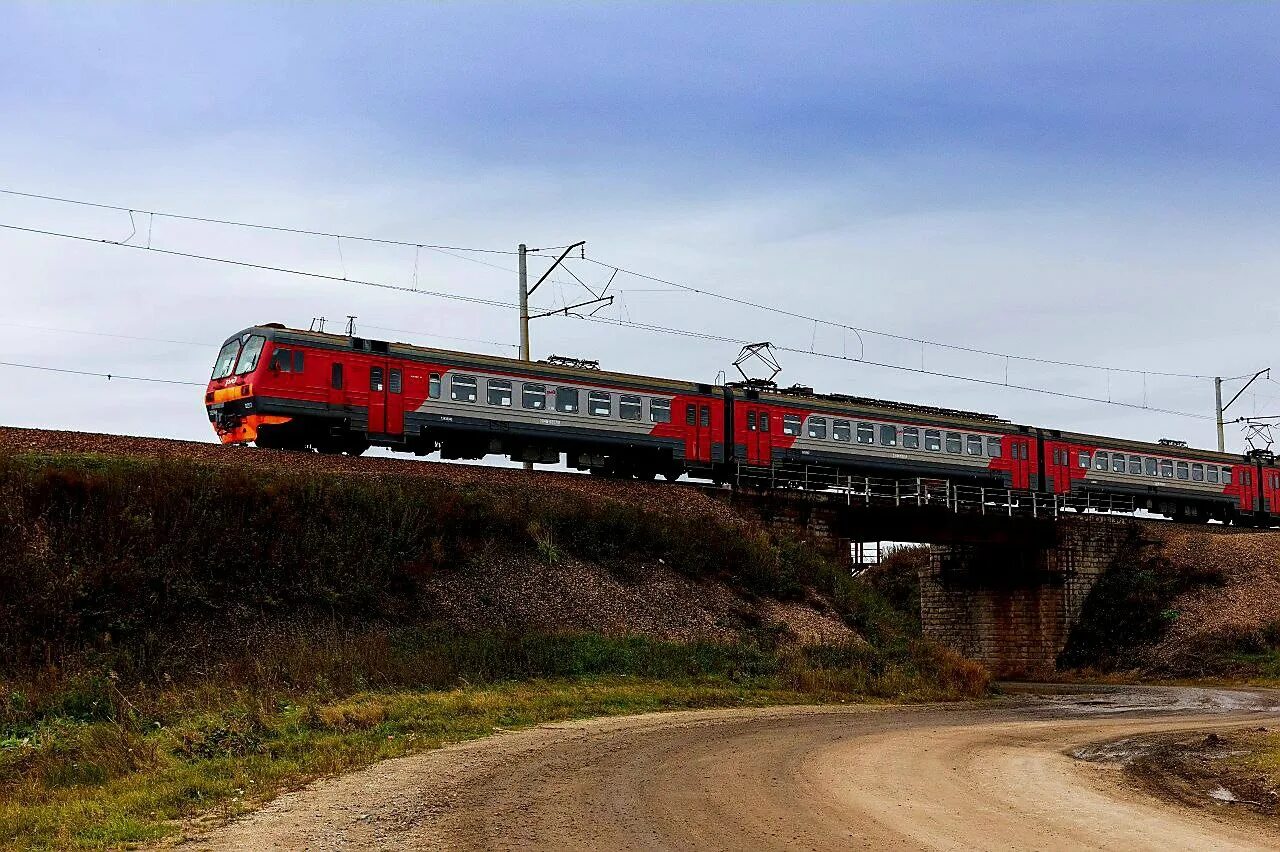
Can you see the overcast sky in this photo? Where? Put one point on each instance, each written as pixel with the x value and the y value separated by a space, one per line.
pixel 1083 182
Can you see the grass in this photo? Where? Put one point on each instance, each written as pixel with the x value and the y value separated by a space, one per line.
pixel 228 761
pixel 87 766
pixel 185 640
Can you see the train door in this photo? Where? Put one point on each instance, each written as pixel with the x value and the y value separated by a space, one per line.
pixel 697 421
pixel 1058 467
pixel 395 401
pixel 759 436
pixel 1271 490
pixel 1020 464
pixel 386 399
pixel 377 398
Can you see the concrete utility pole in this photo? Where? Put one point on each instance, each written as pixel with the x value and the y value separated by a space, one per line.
pixel 526 353
pixel 1220 408
pixel 526 291
pixel 524 304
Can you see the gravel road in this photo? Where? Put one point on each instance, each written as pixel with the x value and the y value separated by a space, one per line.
pixel 991 775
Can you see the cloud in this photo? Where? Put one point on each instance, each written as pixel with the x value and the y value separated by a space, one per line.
pixel 1082 185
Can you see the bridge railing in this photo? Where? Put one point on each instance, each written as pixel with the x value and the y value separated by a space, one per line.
pixel 960 497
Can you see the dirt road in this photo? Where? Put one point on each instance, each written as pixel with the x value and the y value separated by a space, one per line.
pixel 989 776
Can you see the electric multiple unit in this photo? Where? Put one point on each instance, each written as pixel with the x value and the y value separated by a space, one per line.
pixel 291 389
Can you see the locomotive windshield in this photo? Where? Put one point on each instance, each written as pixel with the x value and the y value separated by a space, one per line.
pixel 249 357
pixel 226 360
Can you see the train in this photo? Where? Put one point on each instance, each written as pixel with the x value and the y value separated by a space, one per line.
pixel 286 388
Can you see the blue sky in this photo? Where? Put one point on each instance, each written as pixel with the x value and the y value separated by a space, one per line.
pixel 1083 181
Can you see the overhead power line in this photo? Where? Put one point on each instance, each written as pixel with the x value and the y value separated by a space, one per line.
pixel 107 376
pixel 599 319
pixel 702 291
pixel 266 267
pixel 900 367
pixel 233 223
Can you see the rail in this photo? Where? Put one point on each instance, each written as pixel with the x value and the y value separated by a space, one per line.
pixel 959 497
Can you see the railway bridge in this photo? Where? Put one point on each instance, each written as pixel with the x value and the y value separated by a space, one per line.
pixel 1009 570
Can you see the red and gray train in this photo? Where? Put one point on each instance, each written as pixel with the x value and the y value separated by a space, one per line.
pixel 290 389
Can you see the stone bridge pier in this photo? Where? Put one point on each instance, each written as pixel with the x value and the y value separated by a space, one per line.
pixel 1011 605
pixel 1000 588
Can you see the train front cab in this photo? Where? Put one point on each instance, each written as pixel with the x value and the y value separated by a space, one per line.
pixel 231 397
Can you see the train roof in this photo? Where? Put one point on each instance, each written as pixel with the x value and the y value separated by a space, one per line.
pixel 542 369
pixel 1151 448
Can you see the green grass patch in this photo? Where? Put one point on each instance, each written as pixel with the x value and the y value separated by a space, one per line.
pixel 74 775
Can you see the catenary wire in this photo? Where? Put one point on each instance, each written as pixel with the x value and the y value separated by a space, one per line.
pixel 277 228
pixel 598 319
pixel 266 267
pixel 450 249
pixel 893 336
pixel 990 382
pixel 107 376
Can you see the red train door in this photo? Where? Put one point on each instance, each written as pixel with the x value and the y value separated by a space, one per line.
pixel 395 401
pixel 704 431
pixel 1058 467
pixel 1020 464
pixel 378 398
pixel 697 421
pixel 759 441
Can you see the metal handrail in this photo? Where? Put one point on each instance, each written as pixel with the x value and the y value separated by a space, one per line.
pixel 925 491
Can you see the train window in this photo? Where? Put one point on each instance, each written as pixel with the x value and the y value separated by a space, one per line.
pixel 533 395
pixel 888 436
pixel 817 427
pixel 629 407
pixel 1117 462
pixel 375 379
pixel 251 353
pixel 866 433
pixel 764 422
pixel 704 415
pixel 226 360
pixel 1101 461
pixel 932 440
pixel 1226 476
pixel 953 442
pixel 842 430
pixel 1135 465
pixel 282 361
pixel 691 415
pixel 1084 460
pixel 1197 473
pixel 336 376
pixel 993 447
pixel 1211 473
pixel 395 383
pixel 433 386
pixel 790 424
pixel 1246 477
pixel 297 360
pixel 1150 467
pixel 910 438
pixel 751 421
pixel 973 445
pixel 660 410
pixel 599 403
pixel 567 400
pixel 463 388
pixel 498 392
pixel 1166 469
pixel 1184 470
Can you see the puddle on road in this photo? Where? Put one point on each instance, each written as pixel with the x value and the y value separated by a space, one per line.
pixel 1149 699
